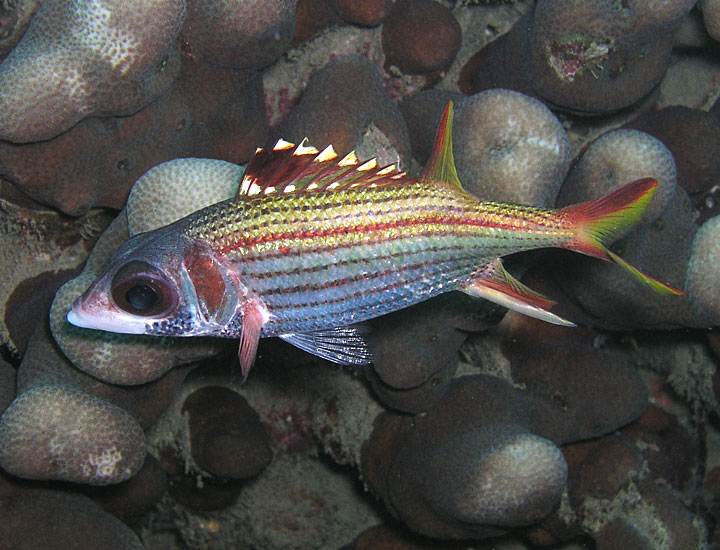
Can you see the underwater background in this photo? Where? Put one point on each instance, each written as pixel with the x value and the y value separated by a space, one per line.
pixel 475 427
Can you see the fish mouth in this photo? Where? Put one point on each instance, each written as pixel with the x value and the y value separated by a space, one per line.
pixel 78 317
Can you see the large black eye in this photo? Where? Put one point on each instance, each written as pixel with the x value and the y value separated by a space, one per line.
pixel 140 289
pixel 142 297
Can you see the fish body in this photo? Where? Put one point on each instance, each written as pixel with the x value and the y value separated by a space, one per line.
pixel 338 258
pixel 311 246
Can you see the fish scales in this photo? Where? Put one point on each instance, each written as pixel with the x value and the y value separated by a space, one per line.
pixel 332 259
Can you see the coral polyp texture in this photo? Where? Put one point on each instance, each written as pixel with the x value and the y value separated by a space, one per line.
pixel 420 36
pixel 38 438
pixel 618 157
pixel 60 520
pixel 369 13
pixel 449 478
pixel 693 138
pixel 227 439
pixel 236 34
pixel 591 56
pixel 510 148
pixel 711 17
pixel 79 59
pixel 585 53
pixel 702 286
pixel 473 427
pixel 341 103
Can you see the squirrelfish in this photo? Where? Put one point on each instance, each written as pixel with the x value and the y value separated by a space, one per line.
pixel 312 245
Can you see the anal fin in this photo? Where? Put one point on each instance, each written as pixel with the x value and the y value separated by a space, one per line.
pixel 342 345
pixel 497 285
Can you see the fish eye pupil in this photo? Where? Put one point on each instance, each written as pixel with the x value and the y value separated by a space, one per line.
pixel 142 297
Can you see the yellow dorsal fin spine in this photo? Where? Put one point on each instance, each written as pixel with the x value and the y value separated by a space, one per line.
pixel 441 166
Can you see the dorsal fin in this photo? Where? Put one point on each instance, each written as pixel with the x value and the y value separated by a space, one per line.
pixel 441 166
pixel 303 169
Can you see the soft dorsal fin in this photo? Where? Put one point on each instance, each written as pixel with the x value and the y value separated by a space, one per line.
pixel 441 166
pixel 287 168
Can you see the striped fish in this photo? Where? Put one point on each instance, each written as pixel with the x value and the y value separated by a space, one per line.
pixel 312 245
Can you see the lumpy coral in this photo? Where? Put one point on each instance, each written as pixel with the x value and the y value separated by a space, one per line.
pixel 369 13
pixel 511 148
pixel 619 157
pixel 163 195
pixel 711 17
pixel 472 422
pixel 200 116
pixel 227 439
pixel 39 438
pixel 591 56
pixel 51 518
pixel 236 34
pixel 702 285
pixel 48 391
pixel 693 138
pixel 420 36
pixel 446 477
pixel 342 102
pixel 79 59
pixel 660 245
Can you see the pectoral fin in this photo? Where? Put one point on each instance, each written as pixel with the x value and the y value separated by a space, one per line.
pixel 343 345
pixel 254 317
pixel 498 286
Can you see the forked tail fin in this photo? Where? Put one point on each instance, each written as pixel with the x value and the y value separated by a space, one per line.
pixel 601 221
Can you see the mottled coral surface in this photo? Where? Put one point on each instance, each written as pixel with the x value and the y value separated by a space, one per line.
pixel 474 427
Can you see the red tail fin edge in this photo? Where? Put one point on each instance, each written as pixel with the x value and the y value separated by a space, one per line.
pixel 599 222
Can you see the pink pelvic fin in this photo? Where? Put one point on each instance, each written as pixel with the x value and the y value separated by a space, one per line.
pixel 254 317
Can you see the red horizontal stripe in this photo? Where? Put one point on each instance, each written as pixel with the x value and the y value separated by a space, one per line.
pixel 367 228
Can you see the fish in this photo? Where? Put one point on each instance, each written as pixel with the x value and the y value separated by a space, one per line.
pixel 314 245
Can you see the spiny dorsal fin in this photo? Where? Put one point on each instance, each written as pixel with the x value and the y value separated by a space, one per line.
pixel 441 166
pixel 287 168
